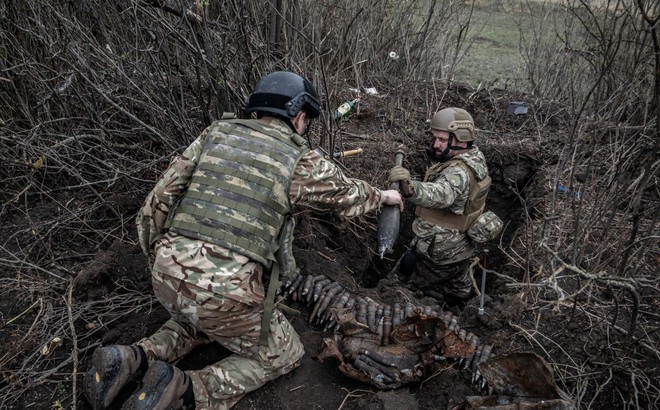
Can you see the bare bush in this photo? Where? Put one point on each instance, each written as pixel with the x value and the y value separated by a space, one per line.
pixel 594 252
pixel 95 98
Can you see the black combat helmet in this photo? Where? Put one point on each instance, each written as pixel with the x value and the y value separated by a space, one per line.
pixel 284 94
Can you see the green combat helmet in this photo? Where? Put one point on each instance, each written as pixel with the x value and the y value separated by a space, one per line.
pixel 456 121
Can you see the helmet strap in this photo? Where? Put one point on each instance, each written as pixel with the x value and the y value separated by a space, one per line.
pixel 290 124
pixel 309 127
pixel 468 147
pixel 444 155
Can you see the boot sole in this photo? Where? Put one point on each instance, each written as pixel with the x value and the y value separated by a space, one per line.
pixel 151 396
pixel 100 386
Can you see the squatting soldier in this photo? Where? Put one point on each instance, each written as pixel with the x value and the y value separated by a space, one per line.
pixel 219 222
pixel 450 203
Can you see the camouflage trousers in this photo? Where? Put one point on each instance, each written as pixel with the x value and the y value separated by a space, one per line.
pixel 453 280
pixel 200 317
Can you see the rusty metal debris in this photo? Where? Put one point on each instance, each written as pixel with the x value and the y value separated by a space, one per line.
pixel 384 345
pixel 389 356
pixel 389 346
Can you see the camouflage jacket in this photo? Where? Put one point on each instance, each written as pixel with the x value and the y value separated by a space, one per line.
pixel 316 183
pixel 448 190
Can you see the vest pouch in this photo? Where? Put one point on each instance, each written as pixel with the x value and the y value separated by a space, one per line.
pixel 485 228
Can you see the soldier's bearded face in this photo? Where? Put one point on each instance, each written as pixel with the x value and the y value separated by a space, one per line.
pixel 441 139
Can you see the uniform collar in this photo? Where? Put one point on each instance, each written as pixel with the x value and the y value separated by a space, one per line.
pixel 279 124
pixel 464 153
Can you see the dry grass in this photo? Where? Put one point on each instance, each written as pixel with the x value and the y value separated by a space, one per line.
pixel 95 98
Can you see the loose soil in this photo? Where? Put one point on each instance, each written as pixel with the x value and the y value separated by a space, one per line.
pixel 112 301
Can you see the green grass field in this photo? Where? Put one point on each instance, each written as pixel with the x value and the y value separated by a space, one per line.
pixel 491 53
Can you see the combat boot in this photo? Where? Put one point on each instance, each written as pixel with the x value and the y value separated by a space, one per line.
pixel 112 368
pixel 164 387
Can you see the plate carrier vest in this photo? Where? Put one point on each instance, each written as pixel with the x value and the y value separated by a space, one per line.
pixel 478 191
pixel 238 196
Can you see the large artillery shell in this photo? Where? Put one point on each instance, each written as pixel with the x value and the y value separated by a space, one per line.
pixel 389 222
pixel 389 219
pixel 350 303
pixel 387 311
pixel 312 315
pixel 474 362
pixel 462 334
pixel 379 329
pixel 453 323
pixel 446 318
pixel 486 352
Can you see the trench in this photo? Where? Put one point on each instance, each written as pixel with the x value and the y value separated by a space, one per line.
pixel 508 198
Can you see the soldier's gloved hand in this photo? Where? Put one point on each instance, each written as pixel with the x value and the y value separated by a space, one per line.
pixel 402 176
pixel 398 173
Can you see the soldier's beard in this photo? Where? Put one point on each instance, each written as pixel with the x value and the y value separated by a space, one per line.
pixel 443 155
pixel 448 152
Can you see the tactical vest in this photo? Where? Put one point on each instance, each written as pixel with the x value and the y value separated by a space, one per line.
pixel 238 196
pixel 478 191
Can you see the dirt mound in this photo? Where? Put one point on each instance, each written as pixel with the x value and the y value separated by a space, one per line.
pixel 110 299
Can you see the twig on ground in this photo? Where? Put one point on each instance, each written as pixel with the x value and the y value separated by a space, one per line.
pixel 439 372
pixel 626 284
pixel 20 315
pixel 74 341
pixel 352 393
